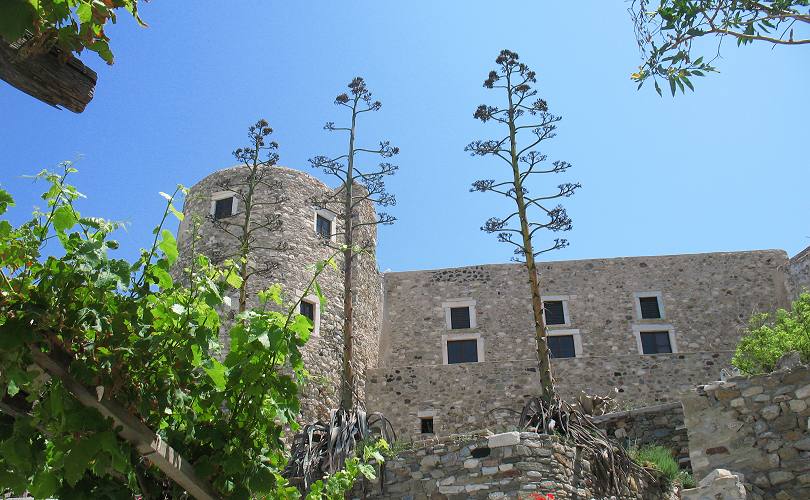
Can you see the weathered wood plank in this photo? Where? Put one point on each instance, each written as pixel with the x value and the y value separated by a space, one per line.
pixel 48 77
pixel 131 429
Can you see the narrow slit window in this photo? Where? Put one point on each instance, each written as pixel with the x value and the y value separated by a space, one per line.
pixel 459 317
pixel 655 343
pixel 462 351
pixel 562 346
pixel 426 425
pixel 308 310
pixel 323 227
pixel 555 312
pixel 649 307
pixel 223 208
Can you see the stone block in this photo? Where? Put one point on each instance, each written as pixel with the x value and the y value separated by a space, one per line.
pixel 504 439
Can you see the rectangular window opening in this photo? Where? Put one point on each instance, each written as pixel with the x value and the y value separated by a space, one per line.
pixel 459 317
pixel 555 312
pixel 426 425
pixel 655 343
pixel 223 208
pixel 462 351
pixel 323 227
pixel 562 346
pixel 308 310
pixel 649 308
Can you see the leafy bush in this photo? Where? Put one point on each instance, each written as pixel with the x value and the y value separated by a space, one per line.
pixel 660 458
pixel 770 336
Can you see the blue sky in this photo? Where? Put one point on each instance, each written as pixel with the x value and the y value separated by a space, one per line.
pixel 724 168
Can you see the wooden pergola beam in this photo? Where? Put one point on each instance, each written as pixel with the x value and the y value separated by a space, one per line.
pixel 54 78
pixel 148 444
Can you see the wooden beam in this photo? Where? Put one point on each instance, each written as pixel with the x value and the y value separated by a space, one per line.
pixel 131 429
pixel 54 78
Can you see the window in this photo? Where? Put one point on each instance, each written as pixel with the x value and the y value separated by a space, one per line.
pixel 649 305
pixel 459 314
pixel 462 351
pixel 562 346
pixel 323 227
pixel 649 308
pixel 308 310
pixel 459 317
pixel 223 204
pixel 555 314
pixel 655 342
pixel 426 425
pixel 655 338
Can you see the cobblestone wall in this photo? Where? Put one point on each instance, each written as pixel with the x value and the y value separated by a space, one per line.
pixel 473 395
pixel 509 465
pixel 799 270
pixel 290 255
pixel 654 425
pixel 758 426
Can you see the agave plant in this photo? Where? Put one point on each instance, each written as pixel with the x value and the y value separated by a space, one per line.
pixel 611 464
pixel 322 448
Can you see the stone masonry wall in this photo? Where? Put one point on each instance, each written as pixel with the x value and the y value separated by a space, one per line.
pixel 757 426
pixel 706 299
pixel 799 271
pixel 654 425
pixel 292 265
pixel 473 395
pixel 509 465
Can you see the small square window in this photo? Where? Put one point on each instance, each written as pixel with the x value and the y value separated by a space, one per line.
pixel 223 208
pixel 462 351
pixel 562 346
pixel 555 312
pixel 323 227
pixel 308 310
pixel 655 342
pixel 426 425
pixel 459 317
pixel 649 308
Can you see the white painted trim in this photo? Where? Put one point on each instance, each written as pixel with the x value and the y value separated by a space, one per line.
pixel 637 304
pixel 574 332
pixel 449 303
pixel 326 214
pixel 564 299
pixel 654 327
pixel 221 195
pixel 463 336
pixel 316 321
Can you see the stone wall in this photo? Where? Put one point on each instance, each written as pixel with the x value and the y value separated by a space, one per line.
pixel 289 255
pixel 654 425
pixel 799 271
pixel 509 465
pixel 473 395
pixel 706 299
pixel 757 426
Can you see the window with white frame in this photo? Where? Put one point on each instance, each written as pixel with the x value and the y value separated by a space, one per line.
pixel 224 204
pixel 564 343
pixel 655 339
pixel 459 314
pixel 426 425
pixel 325 224
pixel 310 308
pixel 649 305
pixel 462 348
pixel 555 310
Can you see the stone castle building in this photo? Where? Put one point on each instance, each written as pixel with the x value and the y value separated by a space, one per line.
pixel 450 350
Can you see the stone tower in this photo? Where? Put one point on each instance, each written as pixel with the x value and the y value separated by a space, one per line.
pixel 289 255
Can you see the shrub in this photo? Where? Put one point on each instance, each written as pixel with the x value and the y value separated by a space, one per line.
pixel 659 458
pixel 770 336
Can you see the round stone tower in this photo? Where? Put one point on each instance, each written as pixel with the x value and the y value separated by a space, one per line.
pixel 298 235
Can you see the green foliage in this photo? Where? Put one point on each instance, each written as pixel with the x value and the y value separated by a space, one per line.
pixel 770 336
pixel 660 459
pixel 334 486
pixel 72 25
pixel 149 342
pixel 666 34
